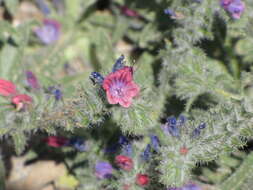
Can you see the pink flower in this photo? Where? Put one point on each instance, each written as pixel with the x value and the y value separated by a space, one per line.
pixel 124 162
pixel 7 88
pixel 55 141
pixel 184 151
pixel 21 101
pixel 142 179
pixel 120 87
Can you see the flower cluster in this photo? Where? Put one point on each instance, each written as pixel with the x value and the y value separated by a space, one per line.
pixel 155 144
pixel 8 89
pixel 234 7
pixel 104 170
pixel 172 126
pixel 118 85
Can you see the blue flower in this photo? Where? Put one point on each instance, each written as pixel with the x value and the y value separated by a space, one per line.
pixel 171 120
pixel 196 132
pixel 127 150
pixel 123 140
pixel 119 64
pixel 77 143
pixel 103 170
pixel 155 142
pixel 172 126
pixel 147 153
pixel 170 12
pixel 96 78
pixel 202 126
pixel 56 92
pixel 181 120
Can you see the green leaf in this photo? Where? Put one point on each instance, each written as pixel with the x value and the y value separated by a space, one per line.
pixel 241 174
pixel 8 61
pixel 19 140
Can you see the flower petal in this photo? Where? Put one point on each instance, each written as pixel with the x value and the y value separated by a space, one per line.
pixel 111 99
pixel 132 90
pixel 7 88
pixel 125 103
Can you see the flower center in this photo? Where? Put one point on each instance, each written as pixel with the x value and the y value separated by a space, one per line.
pixel 118 91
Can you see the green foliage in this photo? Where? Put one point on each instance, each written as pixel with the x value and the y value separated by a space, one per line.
pixel 199 64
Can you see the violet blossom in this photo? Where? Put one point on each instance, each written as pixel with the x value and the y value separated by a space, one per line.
pixel 32 80
pixel 103 170
pixel 49 32
pixel 234 7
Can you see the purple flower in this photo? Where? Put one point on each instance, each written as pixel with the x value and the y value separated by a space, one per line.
pixel 43 6
pixel 56 92
pixel 49 32
pixel 155 142
pixel 103 170
pixel 191 186
pixel 32 80
pixel 234 7
pixel 119 64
